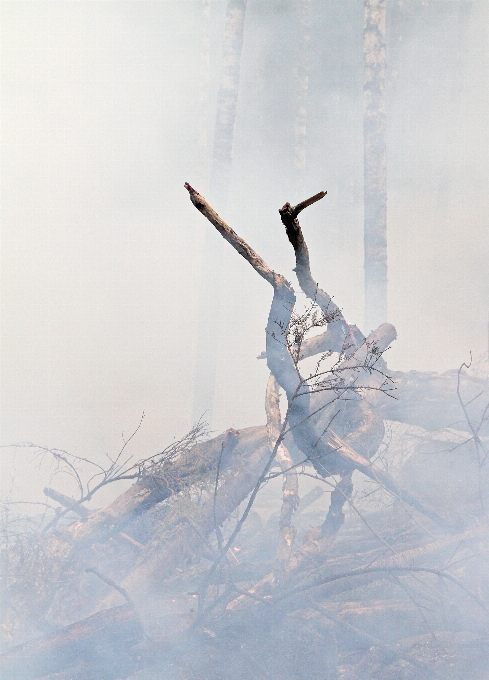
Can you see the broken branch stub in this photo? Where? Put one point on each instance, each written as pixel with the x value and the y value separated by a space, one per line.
pixel 239 244
pixel 340 333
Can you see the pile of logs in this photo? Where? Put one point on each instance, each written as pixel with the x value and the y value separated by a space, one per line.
pixel 197 571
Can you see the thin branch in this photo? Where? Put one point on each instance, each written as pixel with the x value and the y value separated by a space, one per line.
pixel 112 584
pixel 242 520
pixel 378 570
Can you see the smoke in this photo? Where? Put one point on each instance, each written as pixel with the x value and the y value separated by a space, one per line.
pixel 102 250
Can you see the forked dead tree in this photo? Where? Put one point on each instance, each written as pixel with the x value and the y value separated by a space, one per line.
pixel 357 380
pixel 210 591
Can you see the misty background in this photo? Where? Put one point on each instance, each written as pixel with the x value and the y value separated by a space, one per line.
pixel 106 112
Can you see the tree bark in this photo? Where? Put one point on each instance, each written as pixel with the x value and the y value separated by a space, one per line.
pixel 166 552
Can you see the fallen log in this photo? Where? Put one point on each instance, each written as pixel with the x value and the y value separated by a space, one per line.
pixel 335 578
pixel 99 640
pixel 440 653
pixel 429 400
pixel 82 511
pixel 353 636
pixel 168 551
pixel 153 488
pixel 36 579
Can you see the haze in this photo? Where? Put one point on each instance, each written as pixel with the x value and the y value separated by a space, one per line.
pixel 105 116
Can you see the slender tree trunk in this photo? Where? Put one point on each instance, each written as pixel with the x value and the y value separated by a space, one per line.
pixel 375 192
pixel 301 73
pixel 206 359
pixel 204 90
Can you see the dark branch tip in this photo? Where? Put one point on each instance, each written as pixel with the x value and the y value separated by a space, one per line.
pixel 309 201
pixel 289 213
pixel 286 208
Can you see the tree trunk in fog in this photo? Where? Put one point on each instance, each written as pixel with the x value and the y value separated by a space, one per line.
pixel 206 358
pixel 301 73
pixel 227 99
pixel 375 192
pixel 204 91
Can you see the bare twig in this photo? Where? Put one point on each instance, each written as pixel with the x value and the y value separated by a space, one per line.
pixel 112 584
